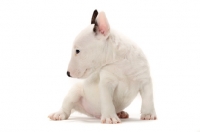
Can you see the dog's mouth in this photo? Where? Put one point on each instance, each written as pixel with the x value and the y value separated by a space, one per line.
pixel 85 73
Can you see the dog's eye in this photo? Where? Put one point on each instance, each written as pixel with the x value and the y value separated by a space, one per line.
pixel 77 51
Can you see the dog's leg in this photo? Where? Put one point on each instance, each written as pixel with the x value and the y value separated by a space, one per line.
pixel 107 85
pixel 147 110
pixel 69 103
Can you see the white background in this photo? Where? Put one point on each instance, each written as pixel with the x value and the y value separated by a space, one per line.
pixel 35 44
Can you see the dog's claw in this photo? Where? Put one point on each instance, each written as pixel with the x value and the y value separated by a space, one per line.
pixel 111 120
pixel 148 117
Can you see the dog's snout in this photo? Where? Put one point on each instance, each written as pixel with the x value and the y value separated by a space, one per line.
pixel 68 74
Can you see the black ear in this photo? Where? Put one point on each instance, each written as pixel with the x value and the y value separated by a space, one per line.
pixel 95 13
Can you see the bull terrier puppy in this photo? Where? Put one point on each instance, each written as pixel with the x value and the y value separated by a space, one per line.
pixel 113 70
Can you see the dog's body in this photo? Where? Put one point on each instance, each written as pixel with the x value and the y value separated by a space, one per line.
pixel 114 70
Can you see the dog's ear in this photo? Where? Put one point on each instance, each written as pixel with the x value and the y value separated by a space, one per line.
pixel 103 26
pixel 95 13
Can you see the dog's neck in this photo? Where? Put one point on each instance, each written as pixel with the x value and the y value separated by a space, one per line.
pixel 110 51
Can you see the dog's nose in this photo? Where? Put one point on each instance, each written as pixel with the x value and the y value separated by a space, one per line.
pixel 68 74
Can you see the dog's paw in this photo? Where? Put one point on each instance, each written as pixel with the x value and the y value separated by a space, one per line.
pixel 60 115
pixel 123 114
pixel 110 119
pixel 148 117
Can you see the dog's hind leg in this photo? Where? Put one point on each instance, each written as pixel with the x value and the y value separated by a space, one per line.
pixel 147 109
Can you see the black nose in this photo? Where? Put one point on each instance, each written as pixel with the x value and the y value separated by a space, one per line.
pixel 68 74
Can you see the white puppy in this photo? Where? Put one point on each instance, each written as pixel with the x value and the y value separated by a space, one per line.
pixel 114 70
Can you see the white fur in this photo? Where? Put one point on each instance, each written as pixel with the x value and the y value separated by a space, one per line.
pixel 114 70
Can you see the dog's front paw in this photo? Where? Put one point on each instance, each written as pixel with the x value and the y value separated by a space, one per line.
pixel 148 117
pixel 60 115
pixel 110 119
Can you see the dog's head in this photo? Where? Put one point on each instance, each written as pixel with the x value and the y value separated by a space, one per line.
pixel 88 47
